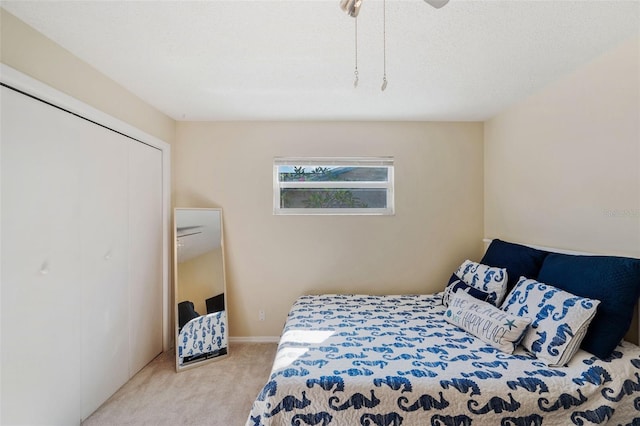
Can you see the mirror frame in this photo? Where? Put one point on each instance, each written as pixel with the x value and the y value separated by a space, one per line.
pixel 175 291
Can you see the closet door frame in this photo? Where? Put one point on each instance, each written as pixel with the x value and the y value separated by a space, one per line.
pixel 28 85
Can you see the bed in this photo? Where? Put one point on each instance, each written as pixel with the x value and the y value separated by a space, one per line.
pixel 202 337
pixel 404 360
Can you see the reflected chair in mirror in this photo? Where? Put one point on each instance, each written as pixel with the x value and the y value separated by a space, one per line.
pixel 186 312
pixel 215 303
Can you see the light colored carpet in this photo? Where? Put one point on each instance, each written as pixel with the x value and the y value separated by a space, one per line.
pixel 218 393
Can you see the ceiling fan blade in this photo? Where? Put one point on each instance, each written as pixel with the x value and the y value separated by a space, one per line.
pixel 437 3
pixel 351 7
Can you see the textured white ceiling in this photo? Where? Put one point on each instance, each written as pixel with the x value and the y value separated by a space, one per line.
pixel 294 60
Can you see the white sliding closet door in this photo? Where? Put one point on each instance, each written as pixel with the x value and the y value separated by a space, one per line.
pixel 82 231
pixel 104 264
pixel 41 304
pixel 145 245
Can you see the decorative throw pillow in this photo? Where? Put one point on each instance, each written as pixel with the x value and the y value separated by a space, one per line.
pixel 484 278
pixel 457 285
pixel 560 319
pixel 613 280
pixel 488 323
pixel 519 260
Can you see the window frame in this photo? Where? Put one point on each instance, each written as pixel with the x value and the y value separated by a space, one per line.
pixel 377 162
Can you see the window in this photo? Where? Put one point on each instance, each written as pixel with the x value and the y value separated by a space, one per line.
pixel 333 186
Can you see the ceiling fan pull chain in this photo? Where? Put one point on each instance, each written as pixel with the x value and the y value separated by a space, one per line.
pixel 384 44
pixel 355 82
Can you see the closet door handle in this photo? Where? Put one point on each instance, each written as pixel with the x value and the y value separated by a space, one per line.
pixel 44 269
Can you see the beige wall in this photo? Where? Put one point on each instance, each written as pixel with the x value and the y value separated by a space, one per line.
pixel 271 260
pixel 562 168
pixel 28 51
pixel 201 278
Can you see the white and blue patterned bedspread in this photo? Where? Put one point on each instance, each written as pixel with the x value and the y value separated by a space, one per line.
pixel 393 360
pixel 202 335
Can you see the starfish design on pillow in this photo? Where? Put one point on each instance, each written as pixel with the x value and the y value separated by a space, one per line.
pixel 510 324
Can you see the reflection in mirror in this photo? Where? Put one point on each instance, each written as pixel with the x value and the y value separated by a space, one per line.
pixel 201 315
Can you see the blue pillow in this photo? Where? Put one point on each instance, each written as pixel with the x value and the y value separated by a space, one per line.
pixel 615 281
pixel 519 260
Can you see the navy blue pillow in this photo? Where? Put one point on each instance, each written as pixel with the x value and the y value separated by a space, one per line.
pixel 615 281
pixel 456 284
pixel 520 261
pixel 453 279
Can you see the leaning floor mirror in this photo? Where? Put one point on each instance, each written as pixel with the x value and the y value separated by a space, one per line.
pixel 200 305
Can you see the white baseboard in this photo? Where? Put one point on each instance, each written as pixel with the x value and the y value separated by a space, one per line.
pixel 254 339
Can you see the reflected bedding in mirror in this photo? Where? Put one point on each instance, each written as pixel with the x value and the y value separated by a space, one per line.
pixel 203 337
